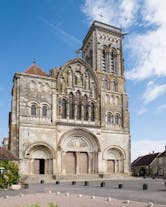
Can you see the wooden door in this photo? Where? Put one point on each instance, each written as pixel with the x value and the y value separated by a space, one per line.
pixel 111 166
pixel 82 163
pixel 70 163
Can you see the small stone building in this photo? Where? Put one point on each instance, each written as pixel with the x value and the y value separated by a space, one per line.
pixel 150 165
pixel 74 120
pixel 145 165
pixel 5 154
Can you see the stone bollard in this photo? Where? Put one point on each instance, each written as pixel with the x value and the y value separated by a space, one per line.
pixel 149 204
pixel 145 186
pixel 126 201
pixel 102 184
pixel 109 199
pixel 86 183
pixel 120 186
pixel 73 182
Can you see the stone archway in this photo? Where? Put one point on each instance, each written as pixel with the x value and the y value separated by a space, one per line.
pixel 39 159
pixel 114 157
pixel 79 150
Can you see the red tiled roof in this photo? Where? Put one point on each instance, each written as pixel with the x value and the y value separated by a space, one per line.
pixel 144 160
pixel 35 70
pixel 5 154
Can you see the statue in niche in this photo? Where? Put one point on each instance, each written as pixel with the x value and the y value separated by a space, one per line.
pixel 78 79
pixel 69 77
pixel 87 79
pixel 106 83
pixel 62 85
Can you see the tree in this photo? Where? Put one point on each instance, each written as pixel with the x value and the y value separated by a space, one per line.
pixel 10 175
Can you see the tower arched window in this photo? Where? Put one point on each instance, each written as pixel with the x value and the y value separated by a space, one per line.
pixel 109 118
pixel 71 106
pixel 113 62
pixel 64 108
pixel 86 113
pixel 45 110
pixel 93 112
pixel 104 58
pixel 79 105
pixel 33 109
pixel 117 119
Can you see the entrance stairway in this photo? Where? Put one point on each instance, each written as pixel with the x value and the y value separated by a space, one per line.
pixel 53 178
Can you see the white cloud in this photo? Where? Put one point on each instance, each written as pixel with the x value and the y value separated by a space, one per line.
pixel 141 111
pixel 144 147
pixel 162 107
pixel 119 13
pixel 149 48
pixel 153 91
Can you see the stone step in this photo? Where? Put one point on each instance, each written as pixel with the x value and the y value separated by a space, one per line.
pixel 70 177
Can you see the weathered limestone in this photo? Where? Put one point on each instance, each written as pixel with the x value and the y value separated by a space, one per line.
pixel 75 120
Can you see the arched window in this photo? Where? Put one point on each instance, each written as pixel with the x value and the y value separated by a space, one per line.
pixel 109 118
pixel 71 106
pixel 93 112
pixel 86 114
pixel 115 85
pixel 45 110
pixel 79 105
pixel 64 108
pixel 113 60
pixel 33 110
pixel 117 119
pixel 104 58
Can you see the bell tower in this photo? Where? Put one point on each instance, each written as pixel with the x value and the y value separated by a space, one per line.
pixel 102 48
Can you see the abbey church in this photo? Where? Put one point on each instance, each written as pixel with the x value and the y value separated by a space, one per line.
pixel 74 120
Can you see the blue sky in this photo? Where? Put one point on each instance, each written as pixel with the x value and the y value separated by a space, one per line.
pixel 52 30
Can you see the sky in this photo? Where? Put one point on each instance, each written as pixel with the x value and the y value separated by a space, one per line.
pixel 50 32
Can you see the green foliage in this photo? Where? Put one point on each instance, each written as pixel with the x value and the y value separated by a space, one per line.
pixel 52 205
pixel 10 175
pixel 35 205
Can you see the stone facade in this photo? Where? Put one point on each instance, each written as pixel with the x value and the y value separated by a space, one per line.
pixel 74 120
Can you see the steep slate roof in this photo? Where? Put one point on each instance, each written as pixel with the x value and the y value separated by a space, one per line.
pixel 5 154
pixel 163 154
pixel 34 69
pixel 144 160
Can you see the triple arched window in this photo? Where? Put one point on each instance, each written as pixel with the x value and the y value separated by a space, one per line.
pixel 71 106
pixel 64 108
pixel 78 107
pixel 86 112
pixel 79 104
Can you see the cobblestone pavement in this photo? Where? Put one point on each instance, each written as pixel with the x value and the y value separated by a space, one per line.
pixel 131 190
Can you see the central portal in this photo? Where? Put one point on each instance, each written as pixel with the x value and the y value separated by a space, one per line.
pixel 79 152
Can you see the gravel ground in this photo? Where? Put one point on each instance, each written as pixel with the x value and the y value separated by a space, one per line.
pixel 68 200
